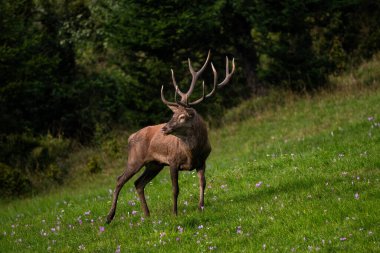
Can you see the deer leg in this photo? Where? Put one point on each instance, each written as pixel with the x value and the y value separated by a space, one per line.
pixel 202 186
pixel 121 180
pixel 175 188
pixel 151 170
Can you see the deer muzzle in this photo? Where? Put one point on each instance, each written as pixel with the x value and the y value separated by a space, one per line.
pixel 166 129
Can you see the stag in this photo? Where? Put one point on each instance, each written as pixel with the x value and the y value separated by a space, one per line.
pixel 182 143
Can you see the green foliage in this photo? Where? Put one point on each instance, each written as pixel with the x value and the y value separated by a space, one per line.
pixel 42 89
pixel 13 182
pixel 369 73
pixel 365 75
pixel 148 39
pixel 93 166
pixel 30 164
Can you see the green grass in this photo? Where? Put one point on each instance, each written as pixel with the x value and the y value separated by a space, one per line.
pixel 302 177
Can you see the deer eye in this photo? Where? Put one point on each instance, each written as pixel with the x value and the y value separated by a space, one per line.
pixel 182 118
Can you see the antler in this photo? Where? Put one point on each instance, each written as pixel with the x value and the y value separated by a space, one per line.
pixel 195 76
pixel 219 85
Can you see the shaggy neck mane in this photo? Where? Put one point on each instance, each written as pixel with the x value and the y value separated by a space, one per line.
pixel 196 136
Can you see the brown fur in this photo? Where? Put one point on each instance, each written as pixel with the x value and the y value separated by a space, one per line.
pixel 180 145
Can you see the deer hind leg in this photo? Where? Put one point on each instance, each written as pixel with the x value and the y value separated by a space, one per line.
pixel 151 170
pixel 202 186
pixel 131 170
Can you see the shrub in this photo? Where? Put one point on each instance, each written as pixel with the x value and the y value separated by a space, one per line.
pixel 13 181
pixel 93 166
pixel 31 163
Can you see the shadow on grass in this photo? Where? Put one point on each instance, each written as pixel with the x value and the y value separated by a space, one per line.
pixel 296 188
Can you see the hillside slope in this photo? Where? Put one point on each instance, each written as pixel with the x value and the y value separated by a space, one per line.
pixel 303 176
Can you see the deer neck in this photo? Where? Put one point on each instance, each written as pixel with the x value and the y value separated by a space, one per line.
pixel 196 136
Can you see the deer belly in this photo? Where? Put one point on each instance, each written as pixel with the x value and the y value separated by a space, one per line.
pixel 186 167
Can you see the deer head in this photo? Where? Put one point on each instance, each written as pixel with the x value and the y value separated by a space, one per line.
pixel 184 115
pixel 182 120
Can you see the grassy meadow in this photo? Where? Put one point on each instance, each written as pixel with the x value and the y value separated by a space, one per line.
pixel 297 175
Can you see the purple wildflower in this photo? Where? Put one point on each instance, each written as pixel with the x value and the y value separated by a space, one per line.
pixel 180 229
pixel 101 229
pixel 134 212
pixel 356 195
pixel 259 184
pixel 117 249
pixel 200 226
pixel 343 239
pixel 370 118
pixel 87 213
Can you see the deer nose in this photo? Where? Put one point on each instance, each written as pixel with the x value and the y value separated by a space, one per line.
pixel 166 130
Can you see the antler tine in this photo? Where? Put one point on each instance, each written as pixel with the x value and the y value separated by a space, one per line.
pixel 200 99
pixel 177 90
pixel 175 94
pixel 195 76
pixel 215 80
pixel 164 100
pixel 228 73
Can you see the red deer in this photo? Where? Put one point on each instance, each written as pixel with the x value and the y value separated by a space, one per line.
pixel 182 143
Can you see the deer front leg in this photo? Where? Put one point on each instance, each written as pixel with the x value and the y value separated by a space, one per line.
pixel 202 186
pixel 175 188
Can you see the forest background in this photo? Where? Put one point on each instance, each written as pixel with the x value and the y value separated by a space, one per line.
pixel 72 72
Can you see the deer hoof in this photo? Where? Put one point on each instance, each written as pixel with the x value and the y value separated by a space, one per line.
pixel 109 219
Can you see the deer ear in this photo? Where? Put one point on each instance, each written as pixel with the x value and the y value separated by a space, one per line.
pixel 173 108
pixel 190 111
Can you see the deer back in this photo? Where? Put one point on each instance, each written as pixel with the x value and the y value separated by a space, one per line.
pixel 185 146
